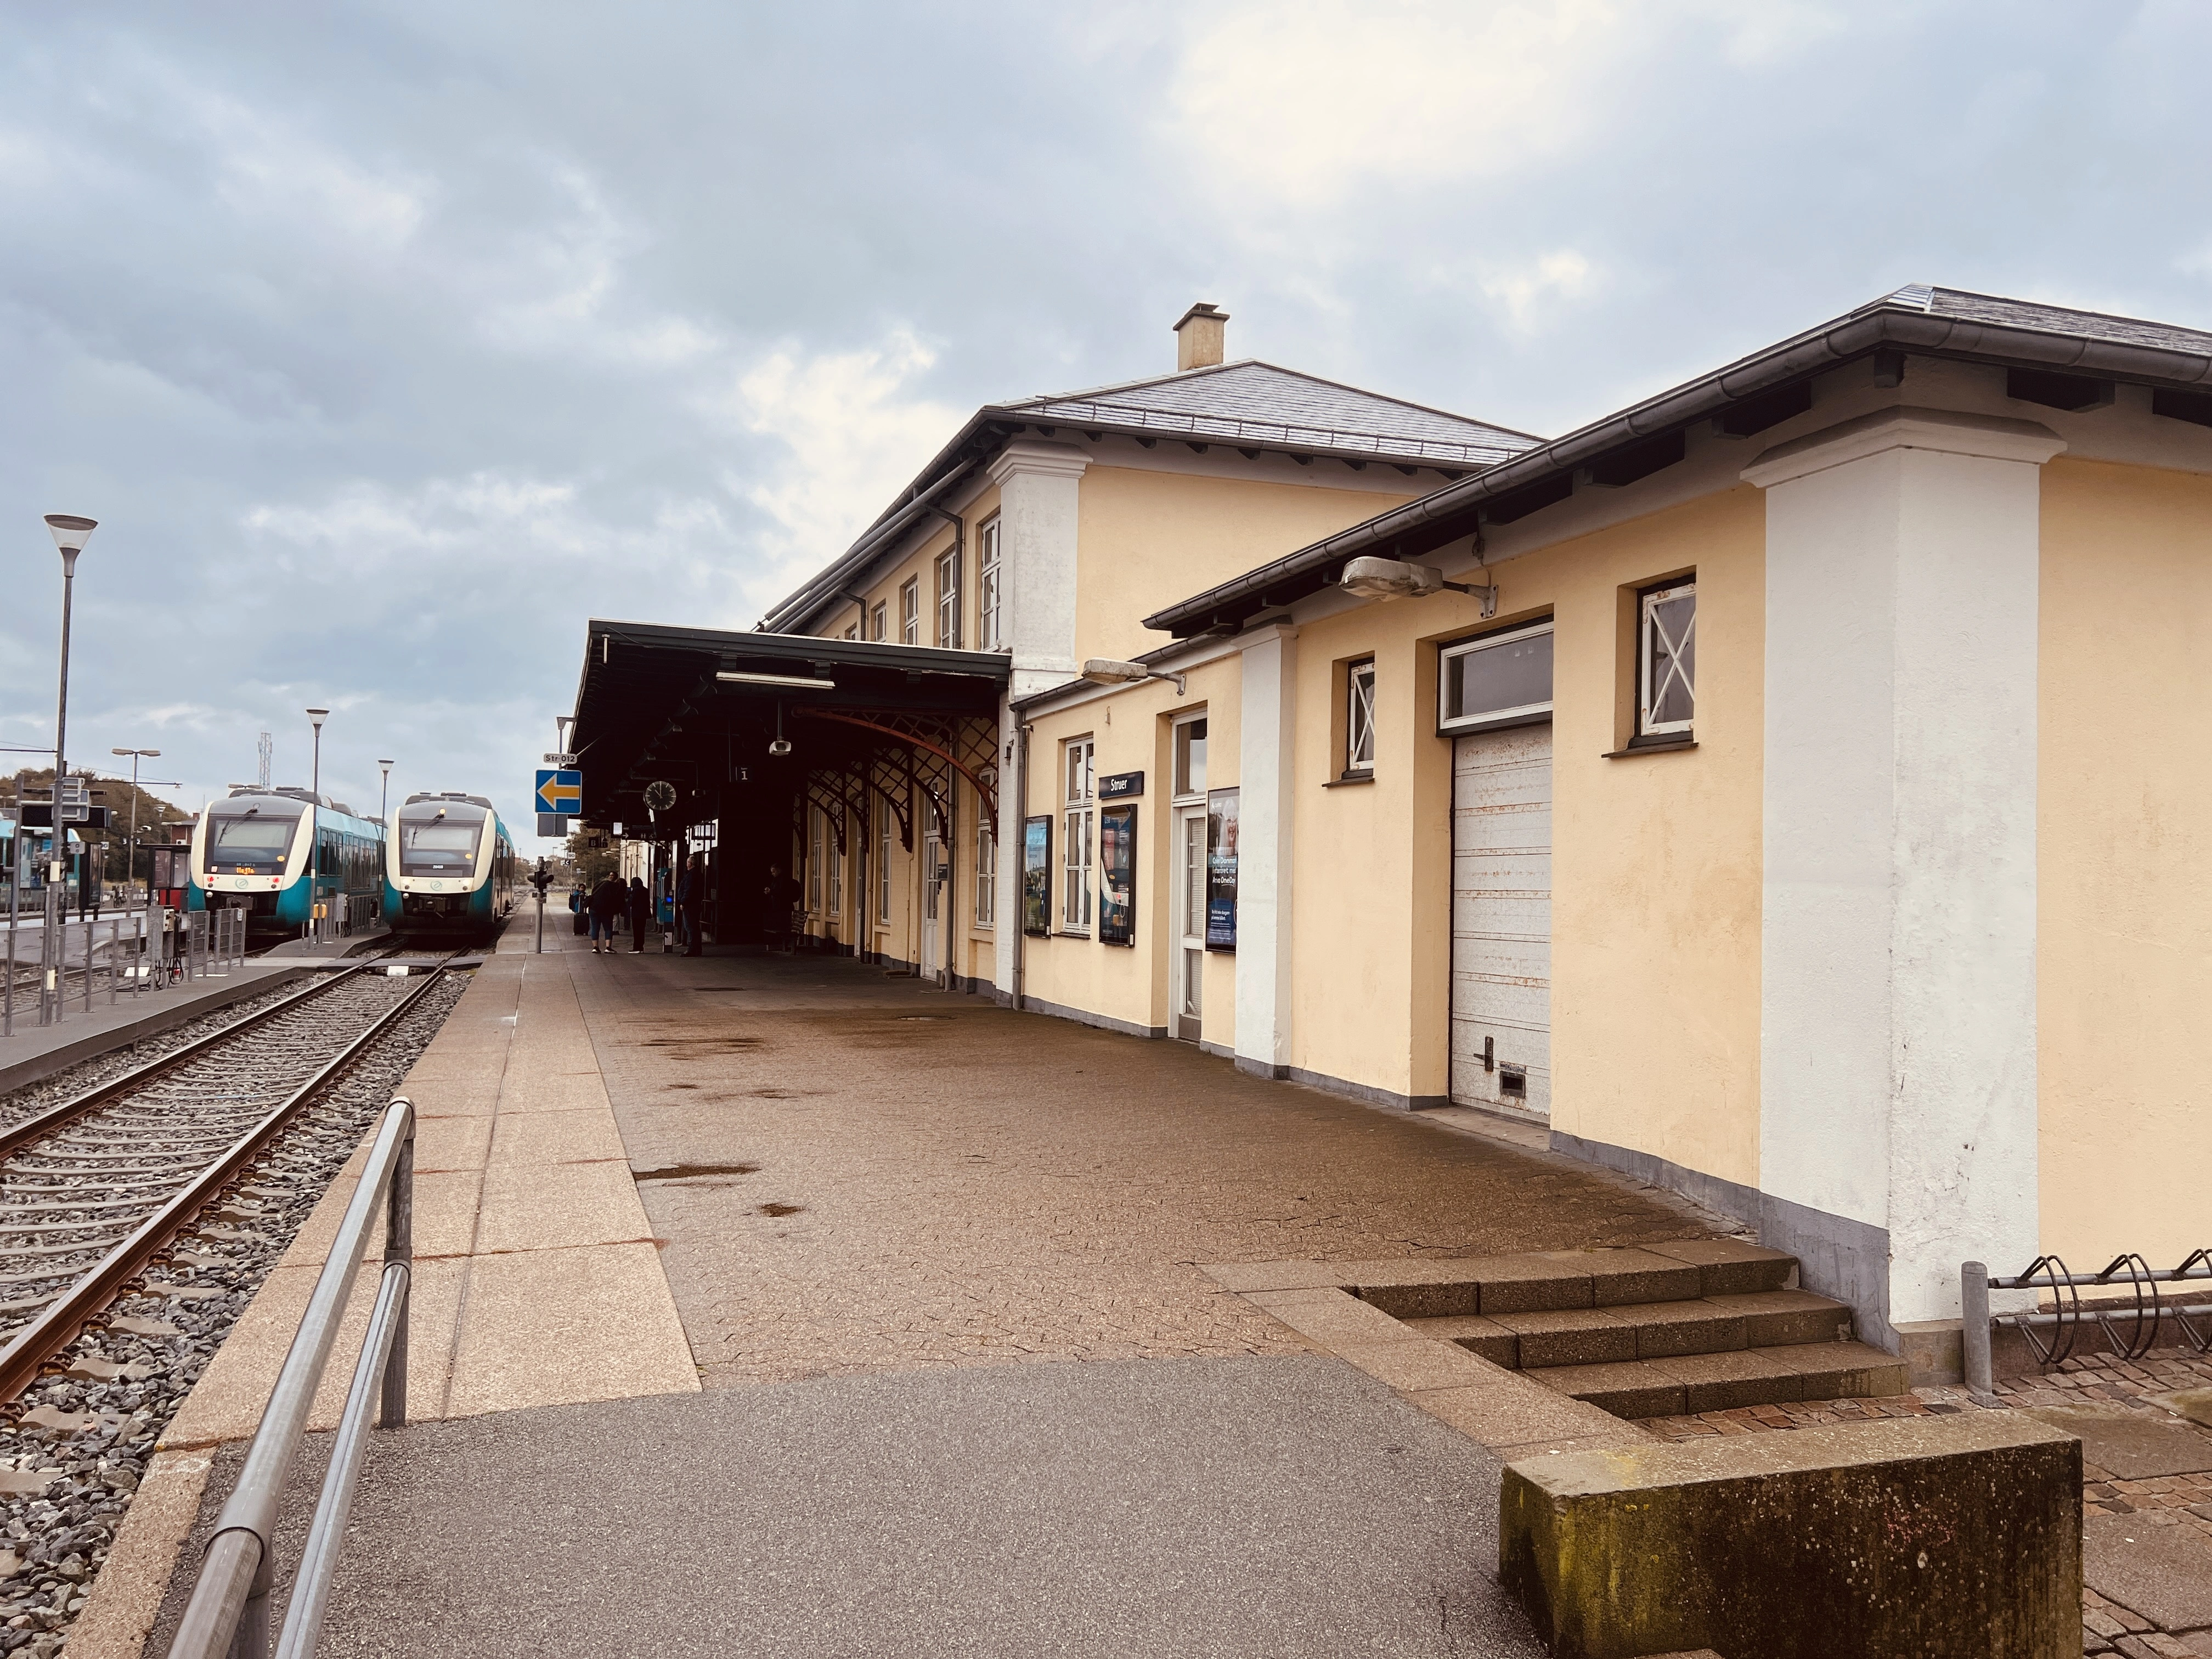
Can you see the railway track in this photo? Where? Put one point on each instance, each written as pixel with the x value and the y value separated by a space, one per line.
pixel 94 1189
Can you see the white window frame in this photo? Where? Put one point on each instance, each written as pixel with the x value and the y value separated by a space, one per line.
pixel 1078 771
pixel 854 632
pixel 815 826
pixel 884 862
pixel 837 876
pixel 1649 630
pixel 1180 786
pixel 910 611
pixel 947 566
pixel 988 634
pixel 987 872
pixel 1360 719
pixel 1445 721
pixel 881 617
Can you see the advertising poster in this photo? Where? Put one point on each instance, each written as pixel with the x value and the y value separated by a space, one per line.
pixel 1221 870
pixel 1117 875
pixel 1036 877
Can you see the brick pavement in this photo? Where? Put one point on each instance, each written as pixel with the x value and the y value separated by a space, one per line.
pixel 854 1173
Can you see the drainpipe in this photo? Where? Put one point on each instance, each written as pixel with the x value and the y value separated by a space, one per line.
pixel 959 556
pixel 1020 918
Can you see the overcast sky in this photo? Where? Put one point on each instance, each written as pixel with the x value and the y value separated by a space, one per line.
pixel 389 343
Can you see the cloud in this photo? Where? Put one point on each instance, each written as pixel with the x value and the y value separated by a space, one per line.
pixel 851 435
pixel 1532 292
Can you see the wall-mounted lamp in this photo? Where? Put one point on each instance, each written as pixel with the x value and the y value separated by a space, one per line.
pixel 1104 671
pixel 1394 579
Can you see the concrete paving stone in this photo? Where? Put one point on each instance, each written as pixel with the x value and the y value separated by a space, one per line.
pixel 1620 1436
pixel 125 1602
pixel 1570 1336
pixel 1725 1382
pixel 445 1220
pixel 1241 1508
pixel 1407 1366
pixel 556 1206
pixel 1243 1276
pixel 562 1091
pixel 466 1090
pixel 1639 1389
pixel 2131 1445
pixel 1486 1339
pixel 1729 1267
pixel 1840 1370
pixel 1673 1327
pixel 1331 1317
pixel 1623 1276
pixel 452 1142
pixel 578 1137
pixel 1508 1408
pixel 1783 1318
pixel 558 1326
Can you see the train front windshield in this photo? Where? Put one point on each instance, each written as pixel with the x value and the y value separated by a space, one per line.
pixel 439 846
pixel 248 843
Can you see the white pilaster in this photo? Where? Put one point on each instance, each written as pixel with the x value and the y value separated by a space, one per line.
pixel 1038 485
pixel 1898 1037
pixel 1265 747
pixel 1006 936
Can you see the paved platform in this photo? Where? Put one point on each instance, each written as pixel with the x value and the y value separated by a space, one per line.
pixel 37 1052
pixel 937 1264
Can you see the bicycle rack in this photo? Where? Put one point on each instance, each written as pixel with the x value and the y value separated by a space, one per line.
pixel 2132 1328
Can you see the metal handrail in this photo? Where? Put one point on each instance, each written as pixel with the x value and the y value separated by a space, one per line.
pixel 228 1613
pixel 2147 1309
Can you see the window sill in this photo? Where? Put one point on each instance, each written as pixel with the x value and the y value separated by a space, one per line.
pixel 1344 782
pixel 1069 932
pixel 1657 746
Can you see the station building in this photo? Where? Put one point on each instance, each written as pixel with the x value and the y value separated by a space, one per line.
pixel 1785 790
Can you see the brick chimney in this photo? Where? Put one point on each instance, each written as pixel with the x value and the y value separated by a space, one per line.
pixel 1201 335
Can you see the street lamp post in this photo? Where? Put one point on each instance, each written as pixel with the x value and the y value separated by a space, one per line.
pixel 130 843
pixel 315 819
pixel 384 821
pixel 70 533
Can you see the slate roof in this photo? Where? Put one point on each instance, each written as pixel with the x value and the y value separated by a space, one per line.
pixel 1255 403
pixel 1918 319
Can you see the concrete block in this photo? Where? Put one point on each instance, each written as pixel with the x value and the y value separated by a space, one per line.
pixel 1571 1336
pixel 1841 1370
pixel 1533 1284
pixel 1773 1318
pixel 1621 1276
pixel 1635 1389
pixel 1672 1328
pixel 1724 1382
pixel 1484 1338
pixel 1958 1536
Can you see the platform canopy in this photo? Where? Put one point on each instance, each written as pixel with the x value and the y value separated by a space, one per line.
pixel 699 708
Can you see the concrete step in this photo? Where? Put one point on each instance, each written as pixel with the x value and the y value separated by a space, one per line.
pixel 1651 1330
pixel 1688 1384
pixel 1553 1280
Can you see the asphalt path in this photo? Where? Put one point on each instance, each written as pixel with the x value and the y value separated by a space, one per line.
pixel 1202 1506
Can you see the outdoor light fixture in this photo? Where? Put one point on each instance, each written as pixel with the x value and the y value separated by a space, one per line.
pixel 1104 671
pixel 1394 579
pixel 806 682
pixel 781 745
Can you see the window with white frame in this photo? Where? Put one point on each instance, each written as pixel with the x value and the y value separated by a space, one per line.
pixel 1360 719
pixel 854 632
pixel 1190 757
pixel 837 870
pixel 1498 679
pixel 1667 660
pixel 1079 815
pixel 883 826
pixel 987 873
pixel 814 827
pixel 911 612
pixel 988 634
pixel 880 621
pixel 948 599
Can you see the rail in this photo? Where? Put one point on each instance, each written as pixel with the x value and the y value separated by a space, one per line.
pixel 229 1611
pixel 2130 1323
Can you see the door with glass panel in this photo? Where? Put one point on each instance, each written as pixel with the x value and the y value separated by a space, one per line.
pixel 932 965
pixel 1189 988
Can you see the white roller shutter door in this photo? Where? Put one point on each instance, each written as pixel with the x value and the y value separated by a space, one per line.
pixel 1501 988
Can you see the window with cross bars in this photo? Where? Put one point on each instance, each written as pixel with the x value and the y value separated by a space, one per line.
pixel 1667 660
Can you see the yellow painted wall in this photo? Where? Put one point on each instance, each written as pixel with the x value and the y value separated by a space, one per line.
pixel 1147 539
pixel 1655 860
pixel 1133 732
pixel 2124 860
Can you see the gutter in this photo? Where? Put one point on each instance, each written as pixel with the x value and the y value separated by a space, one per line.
pixel 1453 509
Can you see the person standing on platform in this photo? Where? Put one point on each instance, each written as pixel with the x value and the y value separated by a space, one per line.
pixel 607 901
pixel 641 907
pixel 777 898
pixel 691 888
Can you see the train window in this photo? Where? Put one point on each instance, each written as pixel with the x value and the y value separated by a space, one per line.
pixel 438 847
pixel 248 843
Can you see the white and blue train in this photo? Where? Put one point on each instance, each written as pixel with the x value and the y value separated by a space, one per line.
pixel 256 852
pixel 449 869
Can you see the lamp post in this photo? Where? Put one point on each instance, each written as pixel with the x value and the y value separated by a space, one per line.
pixel 131 845
pixel 315 819
pixel 384 821
pixel 70 533
pixel 383 804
